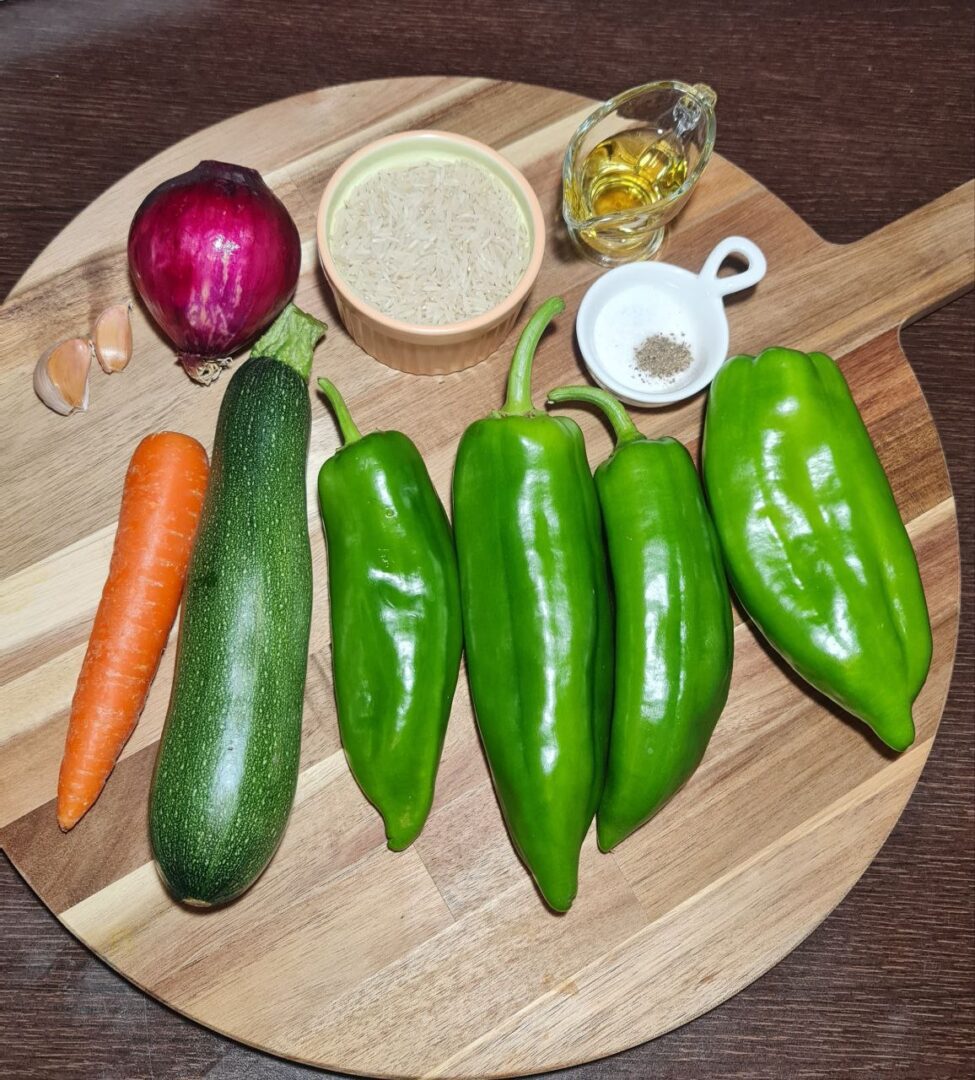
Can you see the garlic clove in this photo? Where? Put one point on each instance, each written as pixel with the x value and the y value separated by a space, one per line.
pixel 112 339
pixel 61 376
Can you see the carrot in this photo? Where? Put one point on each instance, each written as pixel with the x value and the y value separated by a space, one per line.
pixel 161 502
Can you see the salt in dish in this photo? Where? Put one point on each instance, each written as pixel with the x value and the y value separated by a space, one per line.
pixel 643 300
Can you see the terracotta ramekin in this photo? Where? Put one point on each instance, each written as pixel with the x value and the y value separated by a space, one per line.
pixel 428 350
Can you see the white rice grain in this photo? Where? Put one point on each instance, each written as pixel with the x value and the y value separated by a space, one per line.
pixel 430 243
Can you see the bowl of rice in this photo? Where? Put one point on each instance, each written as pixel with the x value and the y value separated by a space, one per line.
pixel 431 243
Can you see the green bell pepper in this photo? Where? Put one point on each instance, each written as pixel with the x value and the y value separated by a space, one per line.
pixel 674 634
pixel 814 544
pixel 537 620
pixel 396 622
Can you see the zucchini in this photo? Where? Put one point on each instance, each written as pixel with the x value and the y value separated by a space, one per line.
pixel 227 765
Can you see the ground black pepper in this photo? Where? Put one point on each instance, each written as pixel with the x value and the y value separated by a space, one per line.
pixel 662 357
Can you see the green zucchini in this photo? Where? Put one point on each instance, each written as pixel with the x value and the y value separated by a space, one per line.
pixel 227 765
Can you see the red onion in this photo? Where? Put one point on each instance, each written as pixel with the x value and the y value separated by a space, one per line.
pixel 215 256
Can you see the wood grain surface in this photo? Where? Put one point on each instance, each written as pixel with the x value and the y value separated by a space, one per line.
pixel 440 960
pixel 952 1058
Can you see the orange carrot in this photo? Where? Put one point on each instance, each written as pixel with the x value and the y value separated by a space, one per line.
pixel 161 503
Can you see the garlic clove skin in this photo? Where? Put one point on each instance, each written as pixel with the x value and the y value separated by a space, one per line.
pixel 112 339
pixel 61 376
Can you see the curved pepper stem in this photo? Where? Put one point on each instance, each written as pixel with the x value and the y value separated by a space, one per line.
pixel 623 427
pixel 347 428
pixel 519 399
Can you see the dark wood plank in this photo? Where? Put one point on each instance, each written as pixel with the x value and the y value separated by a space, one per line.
pixel 854 117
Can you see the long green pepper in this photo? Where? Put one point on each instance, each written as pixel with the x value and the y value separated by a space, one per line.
pixel 814 544
pixel 674 634
pixel 396 622
pixel 537 620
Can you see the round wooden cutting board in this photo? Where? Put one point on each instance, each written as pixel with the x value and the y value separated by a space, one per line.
pixel 441 960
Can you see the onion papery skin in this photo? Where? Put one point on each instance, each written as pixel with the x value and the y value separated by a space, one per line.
pixel 215 257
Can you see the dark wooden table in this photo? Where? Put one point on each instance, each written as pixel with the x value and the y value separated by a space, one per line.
pixel 855 114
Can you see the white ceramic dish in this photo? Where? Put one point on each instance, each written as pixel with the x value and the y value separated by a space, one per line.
pixel 630 303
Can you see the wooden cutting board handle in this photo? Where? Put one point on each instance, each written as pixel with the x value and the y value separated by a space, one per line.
pixel 917 263
pixel 848 294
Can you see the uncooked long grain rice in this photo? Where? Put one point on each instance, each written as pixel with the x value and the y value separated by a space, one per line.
pixel 430 243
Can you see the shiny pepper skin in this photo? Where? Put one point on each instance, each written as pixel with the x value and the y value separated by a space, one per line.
pixel 537 621
pixel 812 538
pixel 396 623
pixel 674 634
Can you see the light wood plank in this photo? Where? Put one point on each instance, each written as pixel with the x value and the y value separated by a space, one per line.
pixel 679 966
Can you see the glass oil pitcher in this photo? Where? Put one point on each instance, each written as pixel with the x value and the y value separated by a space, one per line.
pixel 631 167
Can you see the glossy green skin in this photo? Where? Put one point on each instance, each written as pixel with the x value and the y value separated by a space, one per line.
pixel 538 632
pixel 674 635
pixel 228 759
pixel 396 622
pixel 814 544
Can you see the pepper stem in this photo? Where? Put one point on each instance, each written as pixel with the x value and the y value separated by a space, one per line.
pixel 623 427
pixel 291 338
pixel 519 398
pixel 349 432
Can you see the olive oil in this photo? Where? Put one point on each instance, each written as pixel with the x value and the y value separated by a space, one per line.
pixel 632 170
pixel 630 167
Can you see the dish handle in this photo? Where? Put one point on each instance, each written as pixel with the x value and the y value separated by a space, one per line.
pixel 743 279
